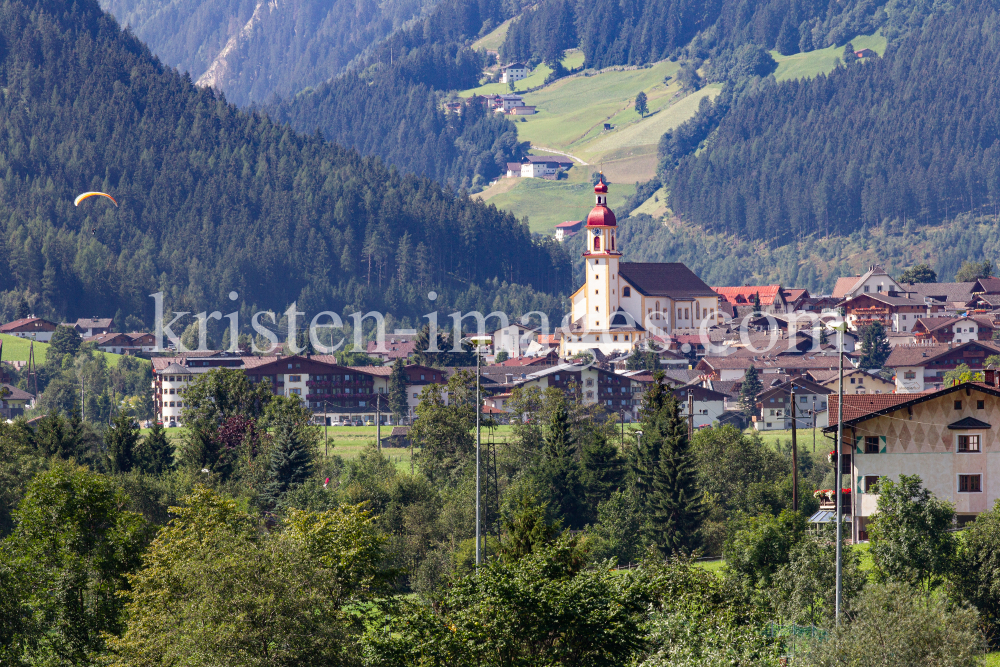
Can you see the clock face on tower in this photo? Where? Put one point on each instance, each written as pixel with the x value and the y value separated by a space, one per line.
pixel 597 232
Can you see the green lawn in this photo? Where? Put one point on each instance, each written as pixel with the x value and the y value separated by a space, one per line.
pixel 547 203
pixel 16 349
pixel 804 438
pixel 821 61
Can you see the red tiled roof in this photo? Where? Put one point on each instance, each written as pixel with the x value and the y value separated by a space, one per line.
pixel 859 405
pixel 28 323
pixel 843 285
pixel 744 295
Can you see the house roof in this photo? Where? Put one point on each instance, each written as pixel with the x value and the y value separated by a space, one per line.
pixel 844 285
pixel 968 423
pixel 861 407
pixel 989 299
pixel 27 324
pixel 886 299
pixel 921 355
pixel 934 323
pixel 670 279
pixel 744 295
pixel 174 368
pixel 801 383
pixel 700 393
pixel 16 394
pixel 794 294
pixel 570 224
pixel 988 286
pixel 948 292
pixel 94 322
pixel 766 362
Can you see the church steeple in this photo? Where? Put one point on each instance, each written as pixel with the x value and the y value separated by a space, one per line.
pixel 601 223
pixel 601 257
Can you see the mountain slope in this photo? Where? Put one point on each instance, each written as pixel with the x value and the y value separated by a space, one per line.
pixel 913 136
pixel 215 199
pixel 253 49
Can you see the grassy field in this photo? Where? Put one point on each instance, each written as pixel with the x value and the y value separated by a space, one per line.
pixel 821 61
pixel 492 41
pixel 16 349
pixel 547 203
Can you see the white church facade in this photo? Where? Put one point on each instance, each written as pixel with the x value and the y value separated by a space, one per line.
pixel 625 303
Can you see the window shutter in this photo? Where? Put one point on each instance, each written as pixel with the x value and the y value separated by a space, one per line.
pixel 881 442
pixel 860 444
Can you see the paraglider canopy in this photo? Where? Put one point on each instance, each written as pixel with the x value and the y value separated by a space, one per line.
pixel 85 195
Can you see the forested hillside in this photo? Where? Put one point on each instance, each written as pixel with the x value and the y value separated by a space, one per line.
pixel 641 31
pixel 215 199
pixel 913 136
pixel 396 112
pixel 251 49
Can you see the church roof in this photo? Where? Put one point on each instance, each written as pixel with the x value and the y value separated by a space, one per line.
pixel 670 279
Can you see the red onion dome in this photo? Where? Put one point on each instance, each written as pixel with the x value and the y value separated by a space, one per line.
pixel 601 216
pixel 601 188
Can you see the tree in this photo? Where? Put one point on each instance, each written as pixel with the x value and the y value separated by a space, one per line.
pixel 644 458
pixel 501 357
pixel 443 433
pixel 758 546
pixel 676 499
pixel 398 403
pixel 23 310
pixel 756 303
pixel 875 348
pixel 919 273
pixel 617 530
pixel 909 534
pixel 291 461
pixel 527 529
pixel 749 390
pixel 894 625
pixel 641 107
pixel 65 340
pixel 216 586
pixel 962 373
pixel 805 587
pixel 849 55
pixel 122 441
pixel 157 452
pixel 972 271
pixel 73 548
pixel 558 473
pixel 977 569
pixel 603 470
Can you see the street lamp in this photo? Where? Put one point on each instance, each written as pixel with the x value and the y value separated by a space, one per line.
pixel 479 342
pixel 840 329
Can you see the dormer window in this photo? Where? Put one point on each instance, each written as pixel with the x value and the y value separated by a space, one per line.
pixel 626 291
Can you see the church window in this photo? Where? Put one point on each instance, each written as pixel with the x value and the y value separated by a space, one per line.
pixel 615 338
pixel 657 306
pixel 626 336
pixel 626 291
pixel 612 241
pixel 597 243
pixel 597 291
pixel 697 311
pixel 597 309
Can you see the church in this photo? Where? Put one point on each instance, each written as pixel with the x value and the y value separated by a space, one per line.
pixel 625 303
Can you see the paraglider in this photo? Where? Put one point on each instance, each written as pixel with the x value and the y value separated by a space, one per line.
pixel 85 195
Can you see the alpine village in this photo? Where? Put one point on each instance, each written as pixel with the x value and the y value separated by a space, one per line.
pixel 499 333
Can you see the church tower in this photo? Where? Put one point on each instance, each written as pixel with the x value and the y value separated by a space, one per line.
pixel 601 257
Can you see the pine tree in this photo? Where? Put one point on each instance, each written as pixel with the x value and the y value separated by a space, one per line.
pixel 641 107
pixel 645 456
pixel 675 504
pixel 603 470
pixel 122 440
pixel 397 392
pixel 558 474
pixel 749 390
pixel 290 463
pixel 875 346
pixel 559 442
pixel 158 453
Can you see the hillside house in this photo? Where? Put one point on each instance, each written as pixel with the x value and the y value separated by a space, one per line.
pixel 946 437
pixel 92 326
pixel 122 343
pixel 514 72
pixel 32 328
pixel 709 405
pixel 396 346
pixel 568 229
pixel 896 313
pixel 949 297
pixel 544 166
pixel 514 339
pixel 865 53
pixel 856 381
pixel 14 401
pixel 953 329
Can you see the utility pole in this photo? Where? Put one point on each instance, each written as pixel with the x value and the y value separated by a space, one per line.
pixel 690 414
pixel 32 370
pixel 837 459
pixel 795 454
pixel 479 414
pixel 378 420
pixel 326 429
pixel 814 424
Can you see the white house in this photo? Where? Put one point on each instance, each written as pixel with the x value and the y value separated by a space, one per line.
pixel 946 437
pixel 920 367
pixel 874 281
pixel 32 328
pixel 514 72
pixel 777 411
pixel 708 406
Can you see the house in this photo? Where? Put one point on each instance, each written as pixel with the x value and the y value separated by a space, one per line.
pixel 396 346
pixel 983 303
pixel 953 329
pixel 818 304
pixel 865 53
pixel 14 401
pixel 986 286
pixel 949 296
pixel 544 166
pixel 398 437
pixel 615 393
pixel 625 303
pixel 505 103
pixel 568 229
pixel 33 328
pixel 856 381
pixel 922 366
pixel 454 107
pixel 121 343
pixel 776 409
pixel 513 338
pixel 708 405
pixel 735 367
pixel 522 110
pixel 895 313
pixel 514 72
pixel 795 299
pixel 946 437
pixel 772 301
pixel 874 281
pixel 92 326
